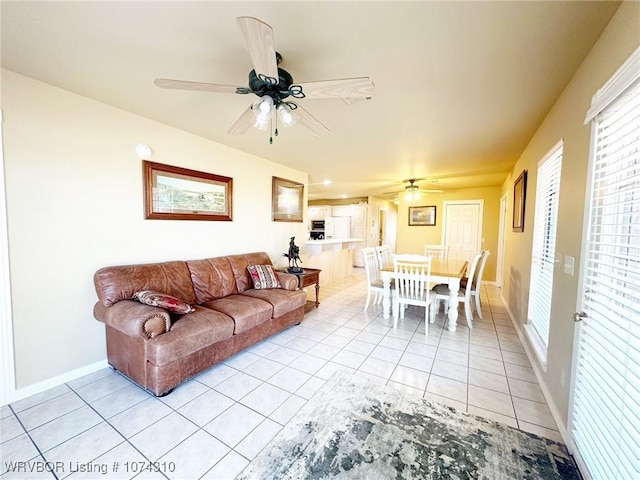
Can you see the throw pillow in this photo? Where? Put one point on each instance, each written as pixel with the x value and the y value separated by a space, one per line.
pixel 263 277
pixel 162 300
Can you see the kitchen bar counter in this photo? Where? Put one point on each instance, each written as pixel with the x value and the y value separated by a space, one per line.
pixel 334 256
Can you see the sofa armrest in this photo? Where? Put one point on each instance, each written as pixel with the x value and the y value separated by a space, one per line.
pixel 133 318
pixel 288 280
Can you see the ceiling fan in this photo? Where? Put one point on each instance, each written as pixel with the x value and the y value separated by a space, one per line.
pixel 275 88
pixel 412 191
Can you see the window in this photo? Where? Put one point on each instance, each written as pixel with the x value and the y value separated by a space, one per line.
pixel 605 404
pixel 544 251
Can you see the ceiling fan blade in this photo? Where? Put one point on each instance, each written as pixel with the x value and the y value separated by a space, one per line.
pixel 198 86
pixel 260 43
pixel 243 123
pixel 354 100
pixel 307 120
pixel 342 88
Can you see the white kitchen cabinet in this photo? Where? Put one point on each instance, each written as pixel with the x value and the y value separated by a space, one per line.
pixel 319 212
pixel 341 211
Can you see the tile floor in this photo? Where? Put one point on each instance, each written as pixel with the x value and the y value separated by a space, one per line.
pixel 104 426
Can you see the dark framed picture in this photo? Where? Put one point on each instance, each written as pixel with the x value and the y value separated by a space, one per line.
pixel 519 199
pixel 422 216
pixel 174 193
pixel 287 197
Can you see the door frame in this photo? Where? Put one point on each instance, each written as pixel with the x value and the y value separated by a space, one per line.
pixel 445 219
pixel 502 236
pixel 7 357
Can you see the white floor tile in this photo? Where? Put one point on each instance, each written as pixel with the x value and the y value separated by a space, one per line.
pixel 446 387
pixel 139 417
pixel 195 456
pixel 258 439
pixel 488 380
pixel 491 400
pixel 64 428
pixel 201 410
pixel 157 439
pixel 234 424
pixel 266 398
pixel 408 376
pixel 229 467
pixel 238 386
pixel 534 412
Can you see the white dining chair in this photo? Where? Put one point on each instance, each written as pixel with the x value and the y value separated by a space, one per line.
pixel 374 282
pixel 385 256
pixel 437 251
pixel 412 281
pixel 464 293
pixel 477 281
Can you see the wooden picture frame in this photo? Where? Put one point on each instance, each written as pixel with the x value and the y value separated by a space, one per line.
pixel 287 198
pixel 175 193
pixel 519 201
pixel 422 216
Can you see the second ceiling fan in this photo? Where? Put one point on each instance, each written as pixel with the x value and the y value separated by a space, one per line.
pixel 275 87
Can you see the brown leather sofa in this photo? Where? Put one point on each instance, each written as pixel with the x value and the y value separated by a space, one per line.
pixel 159 350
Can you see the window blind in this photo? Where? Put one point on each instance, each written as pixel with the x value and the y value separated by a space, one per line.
pixel 605 411
pixel 544 249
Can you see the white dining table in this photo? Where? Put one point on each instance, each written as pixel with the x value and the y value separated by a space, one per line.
pixel 448 271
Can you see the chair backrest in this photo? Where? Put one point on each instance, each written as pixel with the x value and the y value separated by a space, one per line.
pixel 385 256
pixel 473 271
pixel 371 264
pixel 437 251
pixel 477 278
pixel 413 278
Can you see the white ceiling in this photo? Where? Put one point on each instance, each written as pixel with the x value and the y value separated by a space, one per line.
pixel 460 86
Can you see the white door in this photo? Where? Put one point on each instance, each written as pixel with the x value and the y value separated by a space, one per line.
pixel 604 416
pixel 463 228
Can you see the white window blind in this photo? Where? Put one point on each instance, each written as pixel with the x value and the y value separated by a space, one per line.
pixel 605 412
pixel 543 251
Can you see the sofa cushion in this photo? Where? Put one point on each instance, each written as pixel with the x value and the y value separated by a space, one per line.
pixel 283 301
pixel 263 276
pixel 162 300
pixel 239 264
pixel 121 282
pixel 212 278
pixel 246 312
pixel 188 334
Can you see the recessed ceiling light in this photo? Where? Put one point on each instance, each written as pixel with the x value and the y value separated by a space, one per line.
pixel 327 182
pixel 344 195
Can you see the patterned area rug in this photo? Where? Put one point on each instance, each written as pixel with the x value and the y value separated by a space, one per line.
pixel 357 429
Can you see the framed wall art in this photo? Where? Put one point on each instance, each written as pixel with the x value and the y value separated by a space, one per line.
pixel 287 197
pixel 174 193
pixel 519 199
pixel 422 216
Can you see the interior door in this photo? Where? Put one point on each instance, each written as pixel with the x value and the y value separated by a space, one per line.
pixel 604 417
pixel 462 228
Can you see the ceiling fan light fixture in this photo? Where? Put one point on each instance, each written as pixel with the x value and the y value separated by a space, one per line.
pixel 286 115
pixel 263 111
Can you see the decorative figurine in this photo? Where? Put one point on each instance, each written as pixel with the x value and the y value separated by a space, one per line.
pixel 293 256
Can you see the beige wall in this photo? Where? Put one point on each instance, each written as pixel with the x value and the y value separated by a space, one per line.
pixel 411 239
pixel 74 198
pixel 565 121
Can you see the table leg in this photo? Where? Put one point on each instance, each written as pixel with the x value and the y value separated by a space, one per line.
pixel 454 286
pixel 386 296
pixel 317 292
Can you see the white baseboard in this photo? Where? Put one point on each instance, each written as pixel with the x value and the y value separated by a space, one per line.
pixel 52 382
pixel 533 360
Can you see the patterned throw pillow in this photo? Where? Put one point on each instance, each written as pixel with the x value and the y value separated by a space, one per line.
pixel 157 299
pixel 263 277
